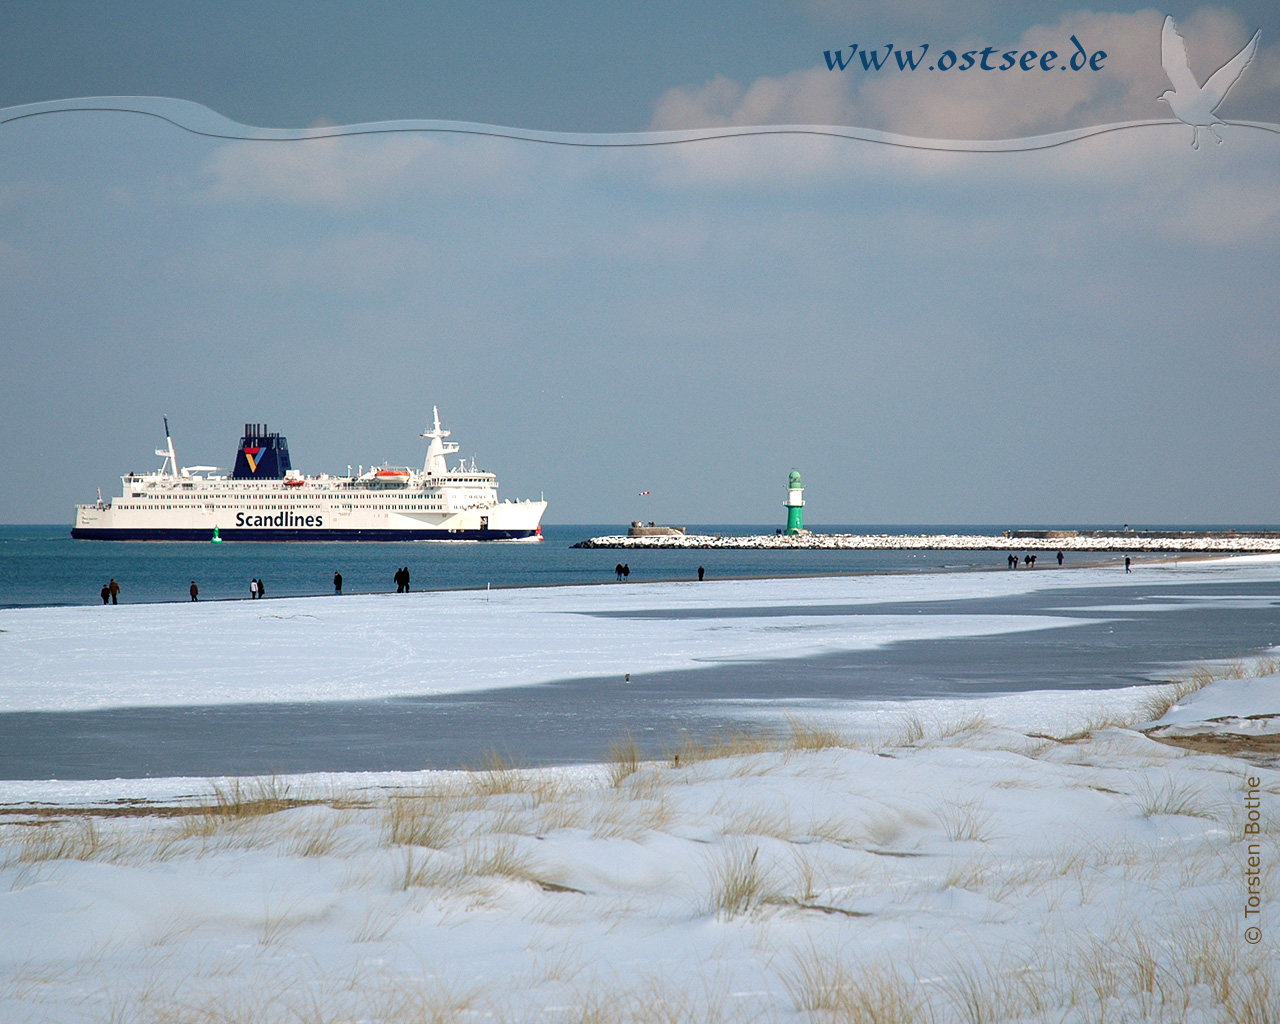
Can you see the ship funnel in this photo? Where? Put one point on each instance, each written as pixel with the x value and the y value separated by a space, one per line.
pixel 262 455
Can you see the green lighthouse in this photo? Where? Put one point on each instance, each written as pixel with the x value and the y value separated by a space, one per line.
pixel 795 503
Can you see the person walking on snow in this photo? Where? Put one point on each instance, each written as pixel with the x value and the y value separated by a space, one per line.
pixel 253 589
pixel 337 583
pixel 114 587
pixel 194 591
pixel 105 592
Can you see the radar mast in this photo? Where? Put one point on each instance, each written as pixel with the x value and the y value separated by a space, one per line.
pixel 438 449
pixel 170 459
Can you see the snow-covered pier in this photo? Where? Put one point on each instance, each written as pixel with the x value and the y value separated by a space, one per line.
pixel 1038 540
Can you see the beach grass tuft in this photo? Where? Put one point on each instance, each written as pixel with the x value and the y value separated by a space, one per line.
pixel 419 818
pixel 1170 796
pixel 738 880
pixel 805 734
pixel 624 760
pixel 827 987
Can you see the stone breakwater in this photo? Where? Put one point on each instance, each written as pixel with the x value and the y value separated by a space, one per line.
pixel 1202 542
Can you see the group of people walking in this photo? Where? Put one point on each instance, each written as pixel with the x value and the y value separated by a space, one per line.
pixel 622 571
pixel 1029 560
pixel 110 592
pixel 258 589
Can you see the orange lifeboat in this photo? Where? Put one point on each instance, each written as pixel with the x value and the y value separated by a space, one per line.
pixel 293 482
pixel 392 475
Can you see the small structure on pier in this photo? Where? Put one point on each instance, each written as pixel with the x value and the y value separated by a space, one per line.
pixel 638 529
pixel 795 504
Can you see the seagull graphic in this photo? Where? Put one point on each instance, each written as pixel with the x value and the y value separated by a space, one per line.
pixel 1192 103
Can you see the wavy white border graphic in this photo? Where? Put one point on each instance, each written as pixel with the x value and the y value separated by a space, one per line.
pixel 200 120
pixel 1191 103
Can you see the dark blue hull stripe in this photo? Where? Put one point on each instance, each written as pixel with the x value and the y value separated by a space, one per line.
pixel 300 535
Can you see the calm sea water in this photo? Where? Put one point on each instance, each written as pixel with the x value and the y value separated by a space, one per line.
pixel 42 565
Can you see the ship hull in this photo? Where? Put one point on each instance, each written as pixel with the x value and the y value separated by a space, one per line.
pixel 306 536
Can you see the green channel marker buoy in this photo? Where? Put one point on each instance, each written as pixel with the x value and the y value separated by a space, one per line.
pixel 215 539
pixel 795 503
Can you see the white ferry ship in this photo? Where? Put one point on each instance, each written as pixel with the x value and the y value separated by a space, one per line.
pixel 265 499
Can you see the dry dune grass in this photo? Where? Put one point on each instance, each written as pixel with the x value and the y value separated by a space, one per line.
pixel 798 734
pixel 486 841
pixel 1171 796
pixel 737 879
pixel 964 725
pixel 1193 971
pixel 624 760
pixel 1086 731
pixel 304 1001
pixel 1260 748
pixel 911 730
pixel 767 820
pixel 832 987
pixel 243 813
pixel 804 734
pixel 966 821
pixel 631 819
pixel 1165 697
pixel 979 991
pixel 1198 677
pixel 497 775
pixel 420 818
pixel 1114 977
pixel 318 835
pixel 739 743
pixel 75 839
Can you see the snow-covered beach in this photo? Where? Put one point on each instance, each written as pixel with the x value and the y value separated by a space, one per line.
pixel 1073 856
pixel 433 642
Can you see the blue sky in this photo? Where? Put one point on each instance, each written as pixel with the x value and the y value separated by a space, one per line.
pixel 1085 334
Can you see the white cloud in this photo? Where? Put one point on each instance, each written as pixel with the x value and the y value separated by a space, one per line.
pixel 323 170
pixel 358 169
pixel 803 97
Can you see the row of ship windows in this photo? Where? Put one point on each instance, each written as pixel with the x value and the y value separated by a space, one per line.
pixel 290 508
pixel 473 492
pixel 295 496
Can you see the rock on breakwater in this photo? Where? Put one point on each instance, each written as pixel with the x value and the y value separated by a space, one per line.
pixel 1225 543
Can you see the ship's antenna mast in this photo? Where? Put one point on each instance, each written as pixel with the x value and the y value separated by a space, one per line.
pixel 438 449
pixel 170 459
